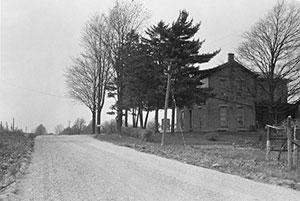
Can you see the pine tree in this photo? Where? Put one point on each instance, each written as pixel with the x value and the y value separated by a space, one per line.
pixel 156 41
pixel 143 79
pixel 175 45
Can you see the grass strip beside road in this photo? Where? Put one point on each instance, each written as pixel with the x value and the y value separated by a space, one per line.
pixel 15 153
pixel 228 154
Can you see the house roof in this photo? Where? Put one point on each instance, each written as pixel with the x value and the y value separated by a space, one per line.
pixel 231 62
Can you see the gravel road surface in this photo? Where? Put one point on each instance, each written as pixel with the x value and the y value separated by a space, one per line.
pixel 80 168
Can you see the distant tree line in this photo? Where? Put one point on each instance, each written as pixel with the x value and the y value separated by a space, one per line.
pixel 79 126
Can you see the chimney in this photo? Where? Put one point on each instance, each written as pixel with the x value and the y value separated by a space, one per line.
pixel 230 57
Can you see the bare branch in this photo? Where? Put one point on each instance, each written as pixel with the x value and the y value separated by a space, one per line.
pixel 272 48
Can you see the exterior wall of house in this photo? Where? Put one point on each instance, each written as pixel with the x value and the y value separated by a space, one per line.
pixel 238 103
pixel 232 108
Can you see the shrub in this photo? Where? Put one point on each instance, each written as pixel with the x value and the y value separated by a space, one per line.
pixel 151 125
pixel 109 127
pixel 252 128
pixel 212 137
pixel 143 134
pixel 129 131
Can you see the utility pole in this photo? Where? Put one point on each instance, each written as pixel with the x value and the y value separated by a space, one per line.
pixel 166 106
pixel 69 124
pixel 98 102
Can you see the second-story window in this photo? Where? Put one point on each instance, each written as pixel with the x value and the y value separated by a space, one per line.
pixel 222 87
pixel 239 89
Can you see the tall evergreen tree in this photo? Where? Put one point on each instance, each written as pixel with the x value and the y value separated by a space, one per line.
pixel 156 41
pixel 133 91
pixel 183 51
pixel 176 46
pixel 142 79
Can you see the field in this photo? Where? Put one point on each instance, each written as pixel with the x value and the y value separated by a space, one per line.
pixel 240 154
pixel 15 149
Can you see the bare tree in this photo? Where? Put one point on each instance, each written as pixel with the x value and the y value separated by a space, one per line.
pixel 272 48
pixel 79 125
pixel 124 17
pixel 81 79
pixel 99 54
pixel 59 129
pixel 103 37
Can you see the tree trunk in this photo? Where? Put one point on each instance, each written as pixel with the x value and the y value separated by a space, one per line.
pixel 126 118
pixel 119 115
pixel 93 121
pixel 272 115
pixel 141 118
pixel 99 120
pixel 173 120
pixel 275 116
pixel 119 122
pixel 146 119
pixel 137 118
pixel 133 117
pixel 156 120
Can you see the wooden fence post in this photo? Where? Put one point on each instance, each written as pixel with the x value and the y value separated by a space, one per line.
pixel 295 149
pixel 289 143
pixel 268 144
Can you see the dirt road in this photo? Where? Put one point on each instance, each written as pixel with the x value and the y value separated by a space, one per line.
pixel 80 168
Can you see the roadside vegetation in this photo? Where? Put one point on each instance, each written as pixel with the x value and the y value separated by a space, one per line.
pixel 79 126
pixel 15 152
pixel 240 154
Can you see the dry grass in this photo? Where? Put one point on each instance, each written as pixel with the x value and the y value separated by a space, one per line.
pixel 241 154
pixel 14 149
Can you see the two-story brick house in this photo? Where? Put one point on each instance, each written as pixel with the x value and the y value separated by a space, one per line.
pixel 235 104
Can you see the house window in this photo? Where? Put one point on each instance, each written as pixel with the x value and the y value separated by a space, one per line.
pixel 223 116
pixel 222 87
pixel 240 116
pixel 240 88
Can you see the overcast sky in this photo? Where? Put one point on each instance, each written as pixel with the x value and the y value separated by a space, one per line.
pixel 39 37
